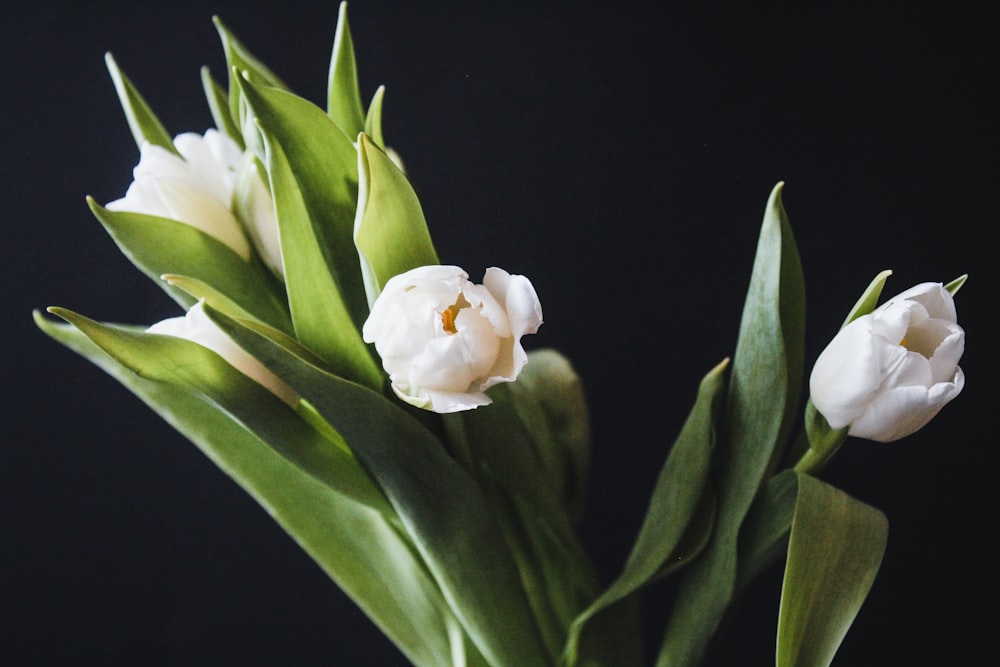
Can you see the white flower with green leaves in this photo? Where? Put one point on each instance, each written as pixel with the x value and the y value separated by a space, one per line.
pixel 445 340
pixel 886 374
pixel 195 186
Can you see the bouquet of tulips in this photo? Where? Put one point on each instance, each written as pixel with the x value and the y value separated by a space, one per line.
pixel 383 408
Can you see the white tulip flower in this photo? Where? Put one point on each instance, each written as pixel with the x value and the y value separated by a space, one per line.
pixel 886 374
pixel 196 188
pixel 198 328
pixel 445 340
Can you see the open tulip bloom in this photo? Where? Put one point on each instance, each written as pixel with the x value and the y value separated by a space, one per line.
pixel 384 409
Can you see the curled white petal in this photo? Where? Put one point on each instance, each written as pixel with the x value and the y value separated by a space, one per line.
pixel 444 340
pixel 888 373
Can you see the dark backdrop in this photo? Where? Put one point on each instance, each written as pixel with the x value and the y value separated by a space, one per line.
pixel 618 155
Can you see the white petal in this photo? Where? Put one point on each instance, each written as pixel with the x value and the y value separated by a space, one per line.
pixel 944 363
pixel 517 294
pixel 902 411
pixel 847 374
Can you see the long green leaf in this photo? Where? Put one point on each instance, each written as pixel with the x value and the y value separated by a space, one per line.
pixel 243 65
pixel 343 92
pixel 201 372
pixel 142 121
pixel 319 312
pixel 218 105
pixel 760 409
pixel 391 232
pixel 834 553
pixel 496 448
pixel 324 164
pixel 159 246
pixel 445 512
pixel 672 507
pixel 355 545
pixel 552 405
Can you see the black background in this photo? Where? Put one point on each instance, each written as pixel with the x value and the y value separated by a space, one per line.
pixel 620 155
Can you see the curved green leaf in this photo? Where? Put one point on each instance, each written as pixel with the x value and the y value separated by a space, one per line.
pixel 201 372
pixel 373 121
pixel 445 512
pixel 159 246
pixel 243 65
pixel 343 92
pixel 323 164
pixel 834 553
pixel 550 401
pixel 677 494
pixel 218 104
pixel 355 545
pixel 760 410
pixel 142 121
pixel 390 231
pixel 320 313
pixel 496 447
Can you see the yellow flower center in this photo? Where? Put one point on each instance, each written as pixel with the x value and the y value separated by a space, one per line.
pixel 451 312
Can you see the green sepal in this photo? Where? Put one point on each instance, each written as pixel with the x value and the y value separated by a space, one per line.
pixel 320 313
pixel 673 512
pixel 761 407
pixel 218 105
pixel 373 121
pixel 143 123
pixel 444 511
pixel 343 91
pixel 390 230
pixel 159 246
pixel 824 441
pixel 869 298
pixel 322 166
pixel 834 553
pixel 956 284
pixel 357 546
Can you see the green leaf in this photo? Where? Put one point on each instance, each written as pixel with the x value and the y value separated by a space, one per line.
pixel 218 104
pixel 243 65
pixel 834 553
pixel 343 92
pixel 760 409
pixel 678 492
pixel 142 121
pixel 497 448
pixel 868 300
pixel 320 314
pixel 201 372
pixel 764 535
pixel 550 401
pixel 358 547
pixel 323 162
pixel 445 512
pixel 373 121
pixel 159 246
pixel 391 233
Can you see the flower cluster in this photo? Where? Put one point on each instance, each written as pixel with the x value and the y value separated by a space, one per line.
pixel 383 407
